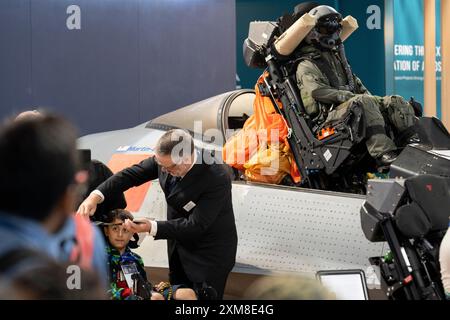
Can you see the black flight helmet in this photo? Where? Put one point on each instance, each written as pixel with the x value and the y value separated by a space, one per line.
pixel 328 27
pixel 304 7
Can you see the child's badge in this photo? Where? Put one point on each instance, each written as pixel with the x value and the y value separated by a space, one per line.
pixel 128 270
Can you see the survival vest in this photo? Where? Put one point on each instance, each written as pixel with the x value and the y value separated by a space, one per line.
pixel 261 148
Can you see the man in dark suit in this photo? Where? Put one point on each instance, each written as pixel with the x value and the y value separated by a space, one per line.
pixel 200 229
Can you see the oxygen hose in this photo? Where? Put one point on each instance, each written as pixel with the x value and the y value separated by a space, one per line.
pixel 347 68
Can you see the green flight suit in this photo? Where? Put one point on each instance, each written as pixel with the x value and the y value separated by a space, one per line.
pixel 316 90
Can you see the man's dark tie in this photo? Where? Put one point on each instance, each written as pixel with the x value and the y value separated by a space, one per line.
pixel 171 183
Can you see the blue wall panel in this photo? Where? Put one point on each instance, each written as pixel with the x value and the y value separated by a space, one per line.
pixel 195 39
pixel 92 73
pixel 130 61
pixel 15 56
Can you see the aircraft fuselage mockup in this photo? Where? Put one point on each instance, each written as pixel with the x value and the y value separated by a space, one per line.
pixel 280 229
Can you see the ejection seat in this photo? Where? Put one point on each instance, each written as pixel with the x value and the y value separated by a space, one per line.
pixel 327 156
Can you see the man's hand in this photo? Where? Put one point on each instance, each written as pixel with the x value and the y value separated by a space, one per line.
pixel 137 225
pixel 89 205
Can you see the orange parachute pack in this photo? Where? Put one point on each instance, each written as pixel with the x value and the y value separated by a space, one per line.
pixel 261 148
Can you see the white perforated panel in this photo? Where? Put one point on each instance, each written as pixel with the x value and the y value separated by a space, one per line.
pixel 297 231
pixel 282 230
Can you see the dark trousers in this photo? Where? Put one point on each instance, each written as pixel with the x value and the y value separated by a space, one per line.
pixel 177 275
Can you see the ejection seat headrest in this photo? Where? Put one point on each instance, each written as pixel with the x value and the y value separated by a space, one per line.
pixel 429 208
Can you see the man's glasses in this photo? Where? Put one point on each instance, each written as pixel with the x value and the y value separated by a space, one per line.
pixel 167 167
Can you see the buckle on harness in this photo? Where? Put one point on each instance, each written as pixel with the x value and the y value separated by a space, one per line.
pixel 263 89
pixel 289 134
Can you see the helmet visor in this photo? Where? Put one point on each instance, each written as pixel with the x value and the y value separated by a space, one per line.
pixel 329 25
